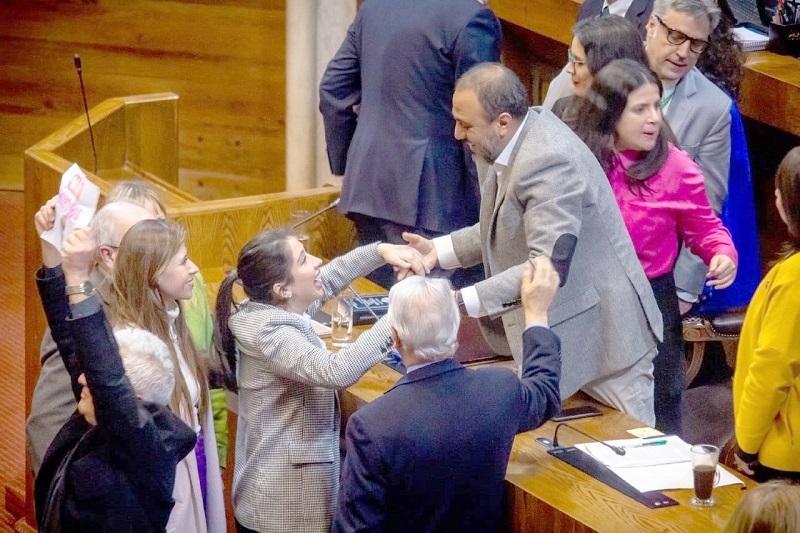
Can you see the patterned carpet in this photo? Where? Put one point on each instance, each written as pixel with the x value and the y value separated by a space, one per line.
pixel 12 371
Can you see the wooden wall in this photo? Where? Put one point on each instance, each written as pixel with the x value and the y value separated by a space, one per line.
pixel 224 58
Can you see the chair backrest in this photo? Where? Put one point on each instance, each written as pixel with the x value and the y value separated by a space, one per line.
pixel 739 216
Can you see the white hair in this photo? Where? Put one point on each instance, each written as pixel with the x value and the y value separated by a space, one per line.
pixel 693 8
pixel 425 316
pixel 147 363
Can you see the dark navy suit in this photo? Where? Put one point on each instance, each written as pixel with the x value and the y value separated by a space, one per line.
pixel 431 453
pixel 400 161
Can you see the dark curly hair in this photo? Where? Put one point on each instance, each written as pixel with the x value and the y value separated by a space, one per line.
pixel 723 60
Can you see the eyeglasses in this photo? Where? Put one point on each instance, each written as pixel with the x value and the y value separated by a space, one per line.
pixel 571 59
pixel 678 37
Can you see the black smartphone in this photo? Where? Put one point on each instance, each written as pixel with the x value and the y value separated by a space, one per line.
pixel 576 412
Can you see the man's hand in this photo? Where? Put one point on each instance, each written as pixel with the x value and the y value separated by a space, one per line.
pixel 79 256
pixel 539 284
pixel 404 259
pixel 45 220
pixel 721 271
pixel 423 246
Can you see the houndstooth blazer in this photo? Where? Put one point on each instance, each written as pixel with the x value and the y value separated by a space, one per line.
pixel 286 475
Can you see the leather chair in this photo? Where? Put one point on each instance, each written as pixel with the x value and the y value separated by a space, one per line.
pixel 719 314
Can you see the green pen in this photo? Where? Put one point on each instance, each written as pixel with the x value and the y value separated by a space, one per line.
pixel 650 443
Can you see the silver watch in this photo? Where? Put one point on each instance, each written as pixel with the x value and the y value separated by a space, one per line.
pixel 87 287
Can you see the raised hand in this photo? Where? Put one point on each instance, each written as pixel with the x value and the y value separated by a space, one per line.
pixel 721 272
pixel 45 220
pixel 539 284
pixel 79 255
pixel 423 246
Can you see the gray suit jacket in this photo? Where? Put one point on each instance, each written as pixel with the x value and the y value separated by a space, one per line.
pixel 700 117
pixel 605 314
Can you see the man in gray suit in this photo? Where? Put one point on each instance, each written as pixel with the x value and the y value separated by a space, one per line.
pixel 544 193
pixel 698 111
pixel 53 401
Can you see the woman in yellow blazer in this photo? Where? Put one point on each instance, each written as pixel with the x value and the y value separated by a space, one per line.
pixel 766 384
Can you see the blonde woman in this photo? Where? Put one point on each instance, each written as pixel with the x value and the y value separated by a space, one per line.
pixel 153 275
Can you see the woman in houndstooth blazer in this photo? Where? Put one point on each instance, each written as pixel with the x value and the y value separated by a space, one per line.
pixel 286 474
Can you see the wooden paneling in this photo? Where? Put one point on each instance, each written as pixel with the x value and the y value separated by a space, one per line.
pixel 225 59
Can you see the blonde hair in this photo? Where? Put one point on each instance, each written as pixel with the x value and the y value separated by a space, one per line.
pixel 144 253
pixel 771 507
pixel 140 192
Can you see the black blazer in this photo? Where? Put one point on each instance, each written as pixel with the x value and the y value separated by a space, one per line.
pixel 638 13
pixel 431 454
pixel 118 475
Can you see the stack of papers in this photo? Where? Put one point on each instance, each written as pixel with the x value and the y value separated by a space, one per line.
pixel 751 40
pixel 654 463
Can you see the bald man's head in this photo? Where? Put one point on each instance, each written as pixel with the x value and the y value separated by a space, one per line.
pixel 110 224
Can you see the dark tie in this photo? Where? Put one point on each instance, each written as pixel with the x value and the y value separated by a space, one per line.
pixel 605 12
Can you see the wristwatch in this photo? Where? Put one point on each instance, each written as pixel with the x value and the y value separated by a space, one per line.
pixel 87 288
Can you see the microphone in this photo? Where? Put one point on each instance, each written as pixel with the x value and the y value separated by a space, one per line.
pixel 79 68
pixel 616 449
pixel 315 214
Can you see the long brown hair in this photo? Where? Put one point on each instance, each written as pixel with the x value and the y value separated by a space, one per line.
pixel 144 253
pixel 595 117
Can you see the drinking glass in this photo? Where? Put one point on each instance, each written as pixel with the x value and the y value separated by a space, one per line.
pixel 704 466
pixel 295 219
pixel 342 318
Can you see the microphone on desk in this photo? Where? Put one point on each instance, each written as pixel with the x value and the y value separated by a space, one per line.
pixel 79 68
pixel 616 449
pixel 315 214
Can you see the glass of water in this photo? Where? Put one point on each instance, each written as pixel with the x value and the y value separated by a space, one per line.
pixel 342 318
pixel 296 218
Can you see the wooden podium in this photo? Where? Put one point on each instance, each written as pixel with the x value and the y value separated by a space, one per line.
pixel 137 137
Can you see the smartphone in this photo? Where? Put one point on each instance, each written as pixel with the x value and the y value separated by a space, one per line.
pixel 576 412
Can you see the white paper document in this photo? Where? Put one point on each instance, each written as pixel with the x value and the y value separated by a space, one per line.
pixel 75 206
pixel 655 463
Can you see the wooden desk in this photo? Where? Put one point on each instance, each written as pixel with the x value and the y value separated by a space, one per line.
pixel 547 494
pixel 770 91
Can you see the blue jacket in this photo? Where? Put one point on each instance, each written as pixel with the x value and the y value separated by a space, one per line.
pixel 431 454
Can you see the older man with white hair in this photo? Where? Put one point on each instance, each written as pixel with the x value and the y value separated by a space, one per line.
pixel 431 453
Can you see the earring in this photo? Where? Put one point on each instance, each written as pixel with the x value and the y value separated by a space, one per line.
pixel 288 295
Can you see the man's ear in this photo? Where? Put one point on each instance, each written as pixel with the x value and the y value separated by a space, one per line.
pixel 504 120
pixel 650 27
pixel 395 337
pixel 107 257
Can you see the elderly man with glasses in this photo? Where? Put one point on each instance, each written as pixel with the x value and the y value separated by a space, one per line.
pixel 698 111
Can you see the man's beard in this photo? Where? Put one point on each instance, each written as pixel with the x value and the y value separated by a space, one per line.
pixel 490 148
